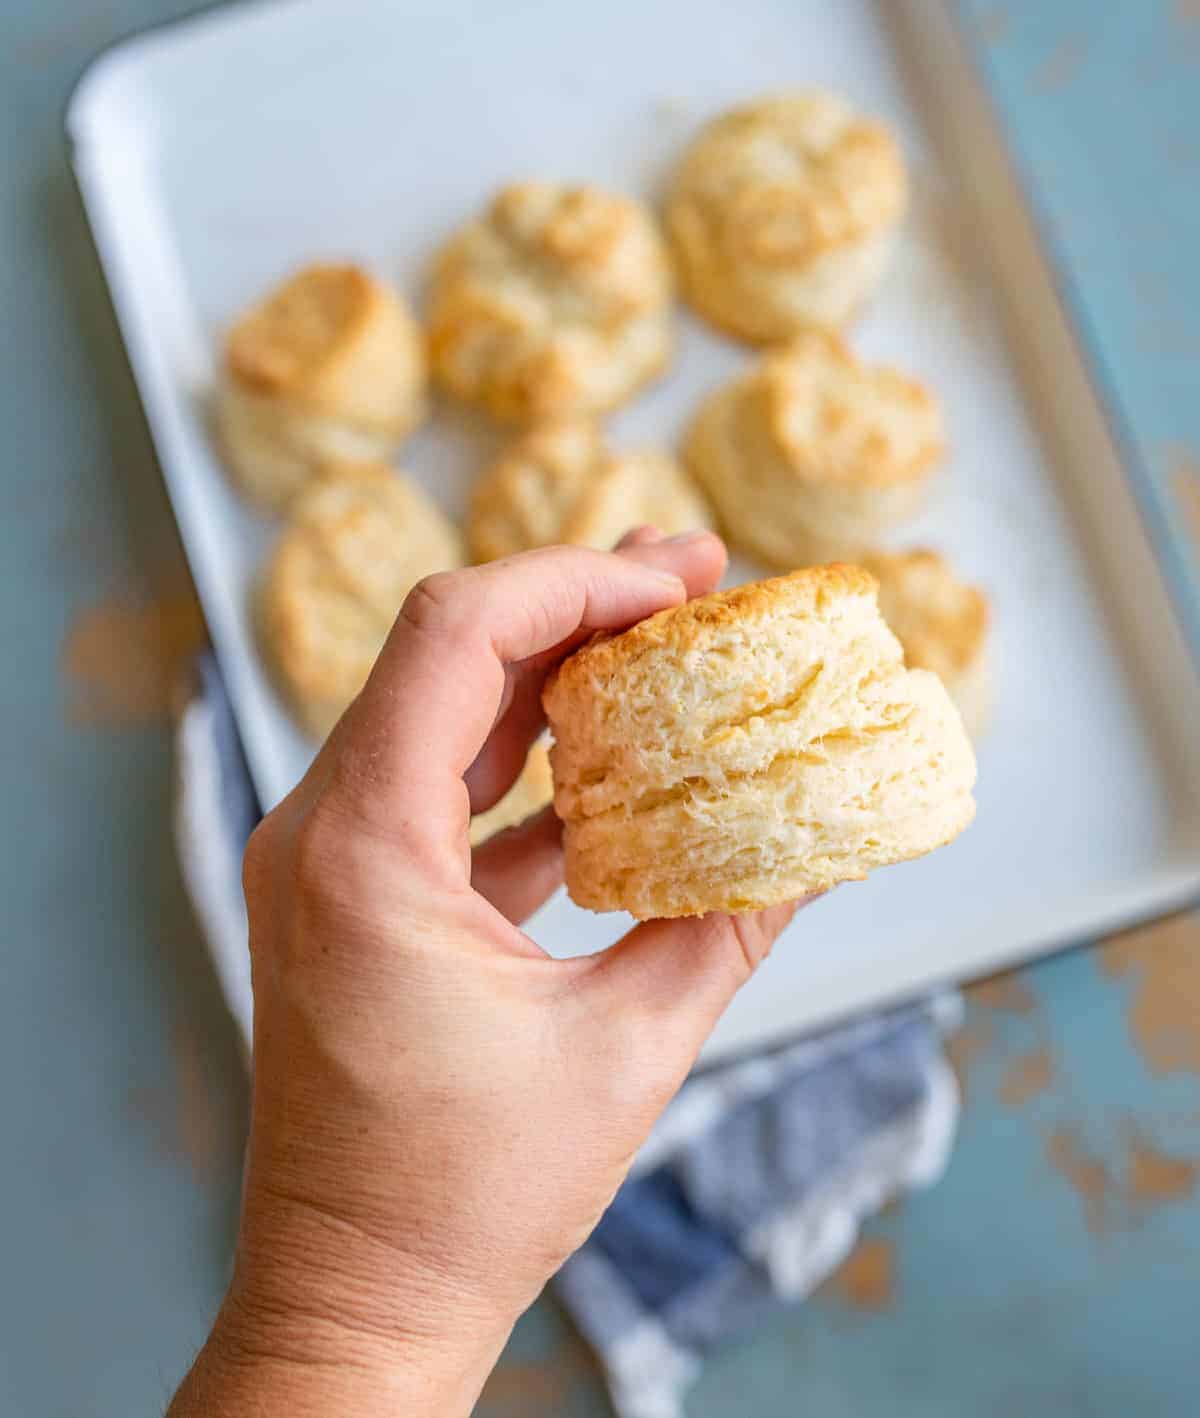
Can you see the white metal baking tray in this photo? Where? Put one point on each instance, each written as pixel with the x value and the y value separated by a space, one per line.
pixel 216 153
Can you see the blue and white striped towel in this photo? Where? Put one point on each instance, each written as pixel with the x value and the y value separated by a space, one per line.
pixel 750 1190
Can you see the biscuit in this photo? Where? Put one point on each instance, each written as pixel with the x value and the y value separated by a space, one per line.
pixel 330 365
pixel 555 302
pixel 782 214
pixel 941 623
pixel 560 483
pixel 812 455
pixel 356 542
pixel 751 747
pixel 529 794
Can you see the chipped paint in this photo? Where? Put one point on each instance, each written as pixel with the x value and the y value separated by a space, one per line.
pixel 1008 993
pixel 1154 1177
pixel 193 1122
pixel 1087 1175
pixel 1026 1077
pixel 1060 66
pixel 123 658
pixel 866 1279
pixel 967 1046
pixel 1162 962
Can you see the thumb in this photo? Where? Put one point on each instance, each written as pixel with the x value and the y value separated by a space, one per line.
pixel 676 977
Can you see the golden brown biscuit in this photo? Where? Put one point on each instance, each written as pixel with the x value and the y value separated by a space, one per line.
pixel 811 456
pixel 749 748
pixel 941 623
pixel 561 483
pixel 782 214
pixel 552 304
pixel 356 542
pixel 529 794
pixel 330 365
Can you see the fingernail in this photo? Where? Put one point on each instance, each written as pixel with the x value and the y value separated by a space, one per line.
pixel 639 537
pixel 684 539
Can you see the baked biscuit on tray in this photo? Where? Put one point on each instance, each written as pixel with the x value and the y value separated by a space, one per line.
pixel 561 483
pixel 554 302
pixel 329 365
pixel 782 214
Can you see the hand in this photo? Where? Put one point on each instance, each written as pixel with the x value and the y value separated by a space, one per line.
pixel 441 1112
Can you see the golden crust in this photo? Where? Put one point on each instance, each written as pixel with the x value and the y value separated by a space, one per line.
pixel 781 214
pixel 695 625
pixel 561 483
pixel 812 454
pixel 750 747
pixel 329 365
pixel 357 541
pixel 941 622
pixel 313 339
pixel 554 303
pixel 833 418
pixel 286 341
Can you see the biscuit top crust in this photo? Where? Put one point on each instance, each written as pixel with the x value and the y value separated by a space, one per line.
pixel 941 621
pixel 788 177
pixel 283 343
pixel 701 624
pixel 832 418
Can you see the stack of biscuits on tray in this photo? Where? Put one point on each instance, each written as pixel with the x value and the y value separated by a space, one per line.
pixel 805 749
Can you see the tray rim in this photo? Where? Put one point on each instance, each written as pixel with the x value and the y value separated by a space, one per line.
pixel 1172 888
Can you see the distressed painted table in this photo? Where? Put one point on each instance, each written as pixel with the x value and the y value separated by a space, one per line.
pixel 1054 1269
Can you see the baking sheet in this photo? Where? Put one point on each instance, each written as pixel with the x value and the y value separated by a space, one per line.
pixel 369 131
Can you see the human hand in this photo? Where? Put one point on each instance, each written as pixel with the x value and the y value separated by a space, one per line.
pixel 441 1112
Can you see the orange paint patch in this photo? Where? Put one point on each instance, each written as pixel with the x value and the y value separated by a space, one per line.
pixel 1060 66
pixel 123 659
pixel 1163 963
pixel 1154 1177
pixel 1004 992
pixel 193 1123
pixel 866 1279
pixel 966 1047
pixel 1026 1077
pixel 1087 1176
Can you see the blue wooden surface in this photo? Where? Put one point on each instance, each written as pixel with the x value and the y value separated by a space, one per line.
pixel 1052 1271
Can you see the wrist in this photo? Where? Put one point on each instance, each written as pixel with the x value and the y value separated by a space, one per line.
pixel 322 1318
pixel 309 1368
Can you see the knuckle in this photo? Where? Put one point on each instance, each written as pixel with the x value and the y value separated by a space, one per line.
pixel 319 841
pixel 434 603
pixel 752 940
pixel 334 865
pixel 258 860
